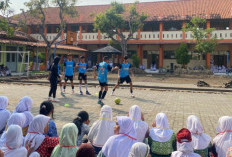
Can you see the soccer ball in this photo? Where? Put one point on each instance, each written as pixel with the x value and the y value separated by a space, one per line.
pixel 117 101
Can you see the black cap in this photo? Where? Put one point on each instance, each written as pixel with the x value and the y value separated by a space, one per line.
pixel 125 57
pixel 105 58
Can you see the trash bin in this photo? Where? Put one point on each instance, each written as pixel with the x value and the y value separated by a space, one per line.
pixel 171 68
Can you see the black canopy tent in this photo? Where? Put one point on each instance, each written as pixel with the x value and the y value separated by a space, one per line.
pixel 109 51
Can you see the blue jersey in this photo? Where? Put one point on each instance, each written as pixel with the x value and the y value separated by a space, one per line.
pixel 124 69
pixel 69 65
pixel 82 67
pixel 103 69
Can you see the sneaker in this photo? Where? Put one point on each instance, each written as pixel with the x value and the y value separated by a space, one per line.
pixel 49 98
pixel 112 94
pixel 132 95
pixel 81 93
pixel 87 93
pixel 100 103
pixel 62 93
pixel 55 100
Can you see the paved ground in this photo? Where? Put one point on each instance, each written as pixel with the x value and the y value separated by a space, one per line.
pixel 177 105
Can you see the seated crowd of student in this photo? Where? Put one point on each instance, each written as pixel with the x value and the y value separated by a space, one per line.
pixel 25 135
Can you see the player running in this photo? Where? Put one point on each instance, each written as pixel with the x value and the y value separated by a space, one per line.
pixel 103 68
pixel 82 66
pixel 69 68
pixel 124 75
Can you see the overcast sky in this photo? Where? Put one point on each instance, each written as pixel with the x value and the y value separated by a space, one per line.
pixel 16 5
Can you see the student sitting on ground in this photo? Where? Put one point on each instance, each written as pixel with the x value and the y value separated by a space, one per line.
pixel 162 140
pixel 47 109
pixel 201 141
pixel 4 113
pixel 184 145
pixel 85 150
pixel 139 149
pixel 82 123
pixel 102 129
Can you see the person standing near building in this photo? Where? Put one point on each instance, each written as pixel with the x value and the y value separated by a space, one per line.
pixel 124 75
pixel 69 69
pixel 103 68
pixel 82 68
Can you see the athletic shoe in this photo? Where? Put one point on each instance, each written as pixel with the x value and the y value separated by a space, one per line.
pixel 132 96
pixel 62 93
pixel 87 93
pixel 112 94
pixel 49 98
pixel 55 100
pixel 100 102
pixel 81 93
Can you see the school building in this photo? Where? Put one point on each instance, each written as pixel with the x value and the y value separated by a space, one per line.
pixel 162 32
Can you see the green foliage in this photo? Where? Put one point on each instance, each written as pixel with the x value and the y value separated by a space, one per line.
pixel 204 44
pixel 135 60
pixel 115 45
pixel 181 55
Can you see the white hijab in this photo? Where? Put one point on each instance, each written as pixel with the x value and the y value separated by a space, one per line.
pixel 103 128
pixel 4 114
pixel 140 126
pixel 15 119
pixel 161 132
pixel 24 106
pixel 139 149
pixel 36 130
pixel 120 145
pixel 14 141
pixel 184 149
pixel 34 154
pixel 200 140
pixel 223 140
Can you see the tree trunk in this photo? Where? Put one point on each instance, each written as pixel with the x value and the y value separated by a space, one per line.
pixel 50 58
pixel 124 48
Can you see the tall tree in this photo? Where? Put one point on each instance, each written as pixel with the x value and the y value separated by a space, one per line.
pixel 37 10
pixel 117 19
pixel 181 55
pixel 204 41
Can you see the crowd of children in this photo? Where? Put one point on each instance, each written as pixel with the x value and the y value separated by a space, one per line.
pixel 4 71
pixel 25 135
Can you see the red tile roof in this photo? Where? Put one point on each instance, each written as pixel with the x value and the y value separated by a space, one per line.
pixel 156 11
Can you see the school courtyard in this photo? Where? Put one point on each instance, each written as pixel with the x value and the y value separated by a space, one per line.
pixel 178 105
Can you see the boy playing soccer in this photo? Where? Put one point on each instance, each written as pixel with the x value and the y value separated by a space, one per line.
pixel 69 68
pixel 124 75
pixel 82 66
pixel 103 68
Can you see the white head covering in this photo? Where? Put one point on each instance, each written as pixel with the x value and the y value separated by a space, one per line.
pixel 140 126
pixel 4 114
pixel 161 132
pixel 15 119
pixel 36 130
pixel 14 142
pixel 223 140
pixel 184 149
pixel 120 145
pixel 139 149
pixel 103 128
pixel 200 140
pixel 34 154
pixel 24 106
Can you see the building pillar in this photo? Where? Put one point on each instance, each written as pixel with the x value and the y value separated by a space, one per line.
pixel 80 32
pixel 98 57
pixel 207 60
pixel 29 30
pixel 98 35
pixel 230 24
pixel 68 28
pixel 140 53
pixel 207 24
pixel 161 56
pixel 161 30
pixel 62 35
pixel 53 29
pixel 86 28
pixel 139 33
pixel 46 58
pixel 184 33
pixel 230 56
pixel 46 30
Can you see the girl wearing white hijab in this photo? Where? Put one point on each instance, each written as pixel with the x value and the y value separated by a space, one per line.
pixel 223 141
pixel 39 142
pixel 140 126
pixel 102 129
pixel 139 149
pixel 162 140
pixel 14 142
pixel 120 144
pixel 4 114
pixel 15 119
pixel 24 106
pixel 200 140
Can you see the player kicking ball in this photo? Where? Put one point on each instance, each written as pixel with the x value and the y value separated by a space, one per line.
pixel 103 68
pixel 82 66
pixel 69 68
pixel 124 75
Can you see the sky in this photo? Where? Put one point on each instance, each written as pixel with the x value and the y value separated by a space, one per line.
pixel 16 5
